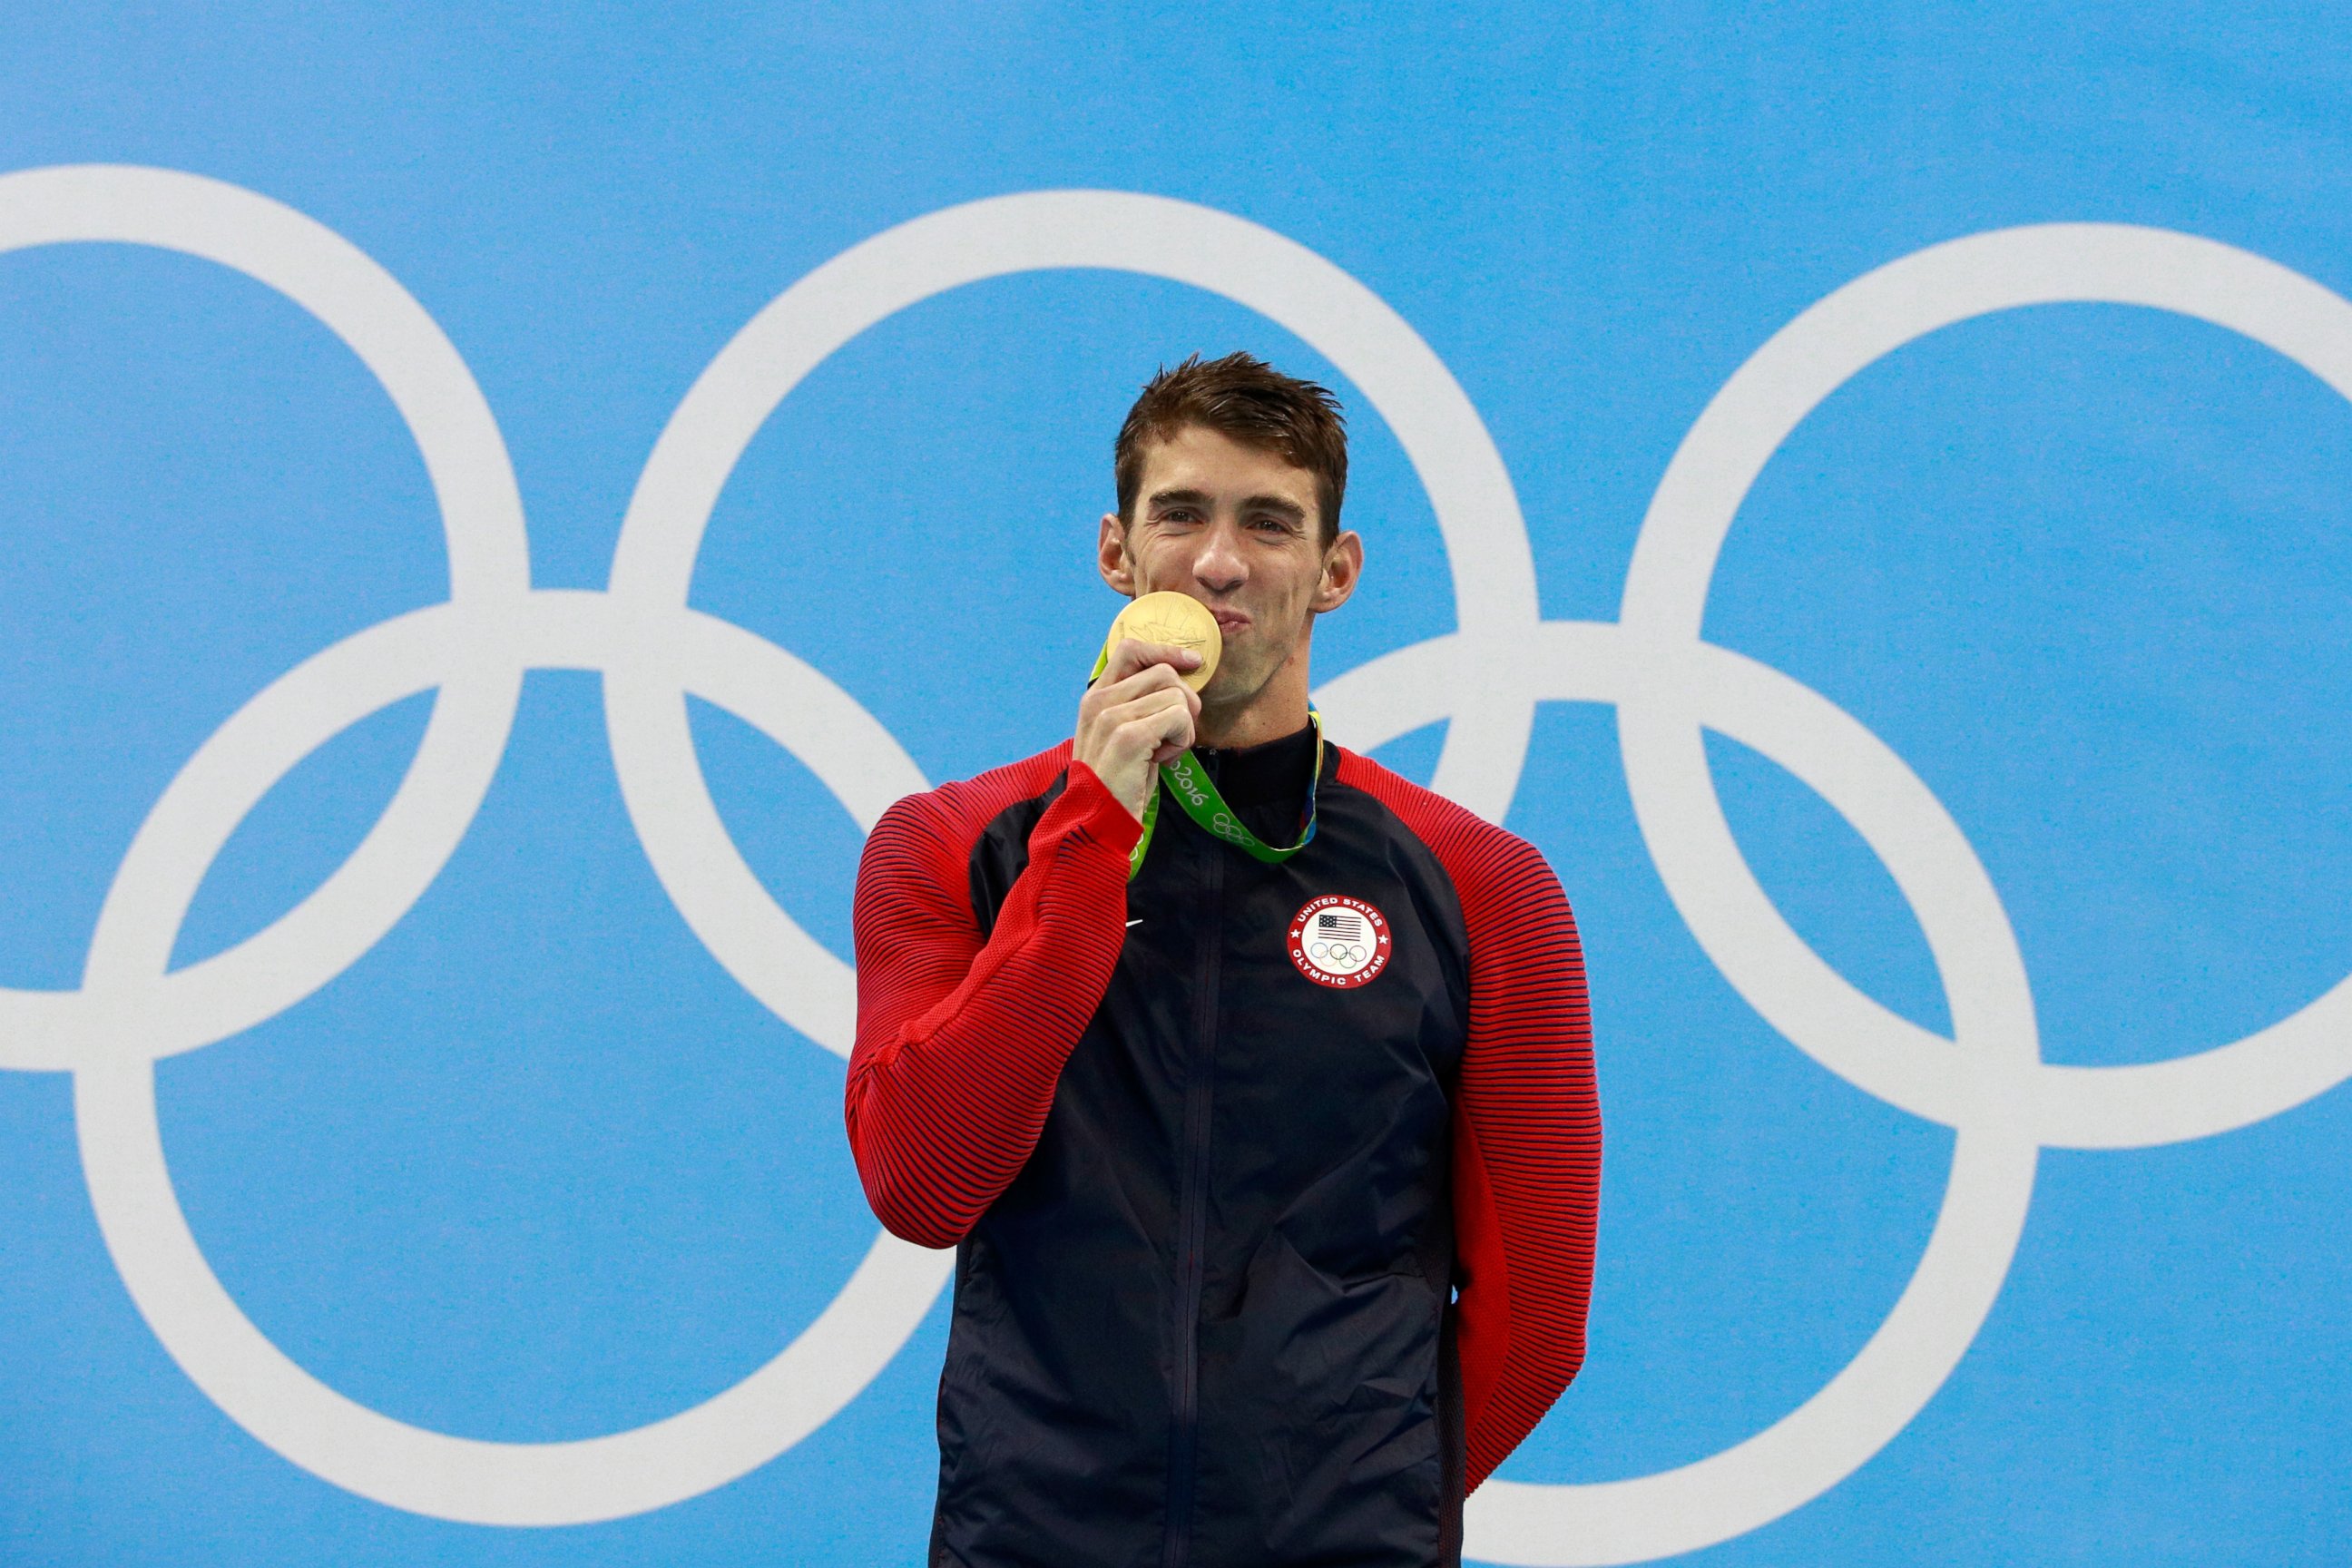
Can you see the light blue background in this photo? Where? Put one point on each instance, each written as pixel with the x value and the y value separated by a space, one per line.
pixel 535 1168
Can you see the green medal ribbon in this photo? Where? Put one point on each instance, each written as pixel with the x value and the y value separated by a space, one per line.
pixel 1198 794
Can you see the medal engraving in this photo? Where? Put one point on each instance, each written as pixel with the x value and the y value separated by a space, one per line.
pixel 1178 620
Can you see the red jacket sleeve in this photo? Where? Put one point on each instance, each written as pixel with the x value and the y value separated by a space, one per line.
pixel 1527 1123
pixel 1527 1158
pixel 960 1042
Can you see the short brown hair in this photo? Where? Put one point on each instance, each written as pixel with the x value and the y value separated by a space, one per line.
pixel 1243 399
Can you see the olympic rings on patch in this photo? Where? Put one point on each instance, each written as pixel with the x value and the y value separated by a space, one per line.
pixel 1668 685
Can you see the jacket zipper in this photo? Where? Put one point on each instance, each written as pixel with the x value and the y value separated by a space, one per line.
pixel 1192 1221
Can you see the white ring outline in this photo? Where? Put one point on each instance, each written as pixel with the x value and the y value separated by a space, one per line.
pixel 2193 1096
pixel 472 650
pixel 482 523
pixel 1988 1083
pixel 1663 691
pixel 652 649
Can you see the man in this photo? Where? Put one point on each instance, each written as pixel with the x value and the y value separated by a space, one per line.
pixel 1217 1144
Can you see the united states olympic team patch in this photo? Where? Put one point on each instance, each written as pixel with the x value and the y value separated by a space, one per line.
pixel 1339 941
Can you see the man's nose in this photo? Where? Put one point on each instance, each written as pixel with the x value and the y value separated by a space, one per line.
pixel 1220 565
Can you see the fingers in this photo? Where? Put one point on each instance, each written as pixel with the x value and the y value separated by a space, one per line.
pixel 1132 725
pixel 1154 720
pixel 1107 693
pixel 1136 715
pixel 1132 654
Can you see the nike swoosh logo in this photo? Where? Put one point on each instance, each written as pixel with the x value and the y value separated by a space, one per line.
pixel 1136 921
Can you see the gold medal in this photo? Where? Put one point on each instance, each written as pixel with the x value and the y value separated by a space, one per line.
pixel 1174 620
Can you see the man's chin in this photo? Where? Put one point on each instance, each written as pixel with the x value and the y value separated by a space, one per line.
pixel 1230 691
pixel 1223 697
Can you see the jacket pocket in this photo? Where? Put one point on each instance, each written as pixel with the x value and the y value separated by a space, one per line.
pixel 1318 1416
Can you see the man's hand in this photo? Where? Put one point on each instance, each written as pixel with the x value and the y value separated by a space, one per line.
pixel 1136 716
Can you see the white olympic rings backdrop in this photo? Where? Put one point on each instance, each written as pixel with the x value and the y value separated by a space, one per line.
pixel 1667 685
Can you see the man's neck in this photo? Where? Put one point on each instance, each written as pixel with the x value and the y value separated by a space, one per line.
pixel 1267 715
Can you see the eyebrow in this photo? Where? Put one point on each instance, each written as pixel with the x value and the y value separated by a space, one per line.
pixel 1281 504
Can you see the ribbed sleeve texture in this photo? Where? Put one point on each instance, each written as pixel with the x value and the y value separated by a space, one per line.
pixel 1526 1123
pixel 960 1042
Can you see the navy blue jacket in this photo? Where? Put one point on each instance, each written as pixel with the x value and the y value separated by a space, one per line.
pixel 1204 1147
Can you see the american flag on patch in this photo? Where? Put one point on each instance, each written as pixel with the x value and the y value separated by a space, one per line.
pixel 1347 928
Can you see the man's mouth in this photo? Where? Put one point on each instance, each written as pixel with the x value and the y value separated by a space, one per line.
pixel 1230 621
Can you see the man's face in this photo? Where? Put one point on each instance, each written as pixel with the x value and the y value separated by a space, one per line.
pixel 1235 528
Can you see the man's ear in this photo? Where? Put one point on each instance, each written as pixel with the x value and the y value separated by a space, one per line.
pixel 1111 559
pixel 1343 567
